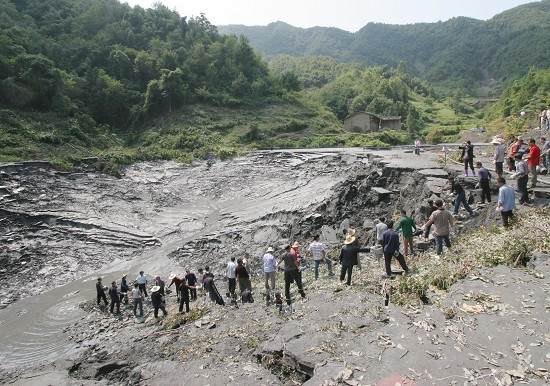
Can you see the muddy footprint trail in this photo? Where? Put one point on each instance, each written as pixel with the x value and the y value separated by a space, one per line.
pixel 62 230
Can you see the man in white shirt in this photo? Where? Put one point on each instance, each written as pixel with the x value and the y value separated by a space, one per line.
pixel 270 268
pixel 380 228
pixel 232 278
pixel 137 297
pixel 142 282
pixel 317 249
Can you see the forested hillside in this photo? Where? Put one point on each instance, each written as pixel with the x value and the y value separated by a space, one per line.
pixel 454 53
pixel 87 76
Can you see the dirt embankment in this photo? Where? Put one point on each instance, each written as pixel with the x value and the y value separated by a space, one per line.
pixel 206 215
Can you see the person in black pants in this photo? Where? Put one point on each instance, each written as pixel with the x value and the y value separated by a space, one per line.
pixel 348 257
pixel 390 242
pixel 522 174
pixel 468 157
pixel 158 301
pixel 292 273
pixel 124 289
pixel 191 280
pixel 184 296
pixel 484 182
pixel 101 292
pixel 114 294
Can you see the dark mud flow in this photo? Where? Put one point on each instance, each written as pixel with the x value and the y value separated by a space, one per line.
pixel 61 230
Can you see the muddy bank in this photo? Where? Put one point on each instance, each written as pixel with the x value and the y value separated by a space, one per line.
pixel 163 218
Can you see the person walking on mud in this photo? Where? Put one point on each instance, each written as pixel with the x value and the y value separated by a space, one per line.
pixel 468 157
pixel 460 197
pixel 349 257
pixel 100 288
pixel 160 283
pixel 292 273
pixel 124 289
pixel 379 229
pixel 523 177
pixel 484 182
pixel 443 222
pixel 114 294
pixel 242 275
pixel 185 288
pixel 142 282
pixel 390 242
pixel 137 298
pixel 506 201
pixel 158 301
pixel 270 269
pixel 192 282
pixel 231 277
pixel 317 250
pixel 406 225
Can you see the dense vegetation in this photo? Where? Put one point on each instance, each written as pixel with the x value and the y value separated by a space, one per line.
pixel 457 53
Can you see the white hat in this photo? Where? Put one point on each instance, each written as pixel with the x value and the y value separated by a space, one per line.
pixel 351 232
pixel 495 142
pixel 155 288
pixel 296 245
pixel 172 275
pixel 349 239
pixel 270 249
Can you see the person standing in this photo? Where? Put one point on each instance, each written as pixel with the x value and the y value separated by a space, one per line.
pixel 417 147
pixel 114 294
pixel 506 201
pixel 158 301
pixel 160 283
pixel 191 281
pixel 137 298
pixel 244 278
pixel 292 273
pixel 295 250
pixel 406 225
pixel 468 157
pixel 484 182
pixel 142 281
pixel 231 278
pixel 512 150
pixel 185 288
pixel 430 209
pixel 100 288
pixel 542 117
pixel 548 117
pixel 533 160
pixel 390 243
pixel 124 289
pixel 317 250
pixel 380 228
pixel 498 157
pixel 443 221
pixel 523 177
pixel 270 268
pixel 460 197
pixel 545 152
pixel 349 258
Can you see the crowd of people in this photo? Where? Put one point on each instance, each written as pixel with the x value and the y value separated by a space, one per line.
pixel 523 163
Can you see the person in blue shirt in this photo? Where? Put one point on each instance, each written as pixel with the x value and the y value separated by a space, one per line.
pixel 506 201
pixel 390 244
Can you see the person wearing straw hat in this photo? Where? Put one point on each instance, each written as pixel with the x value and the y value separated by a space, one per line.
pixel 158 301
pixel 348 256
pixel 499 154
pixel 294 249
pixel 292 273
pixel 124 289
pixel 270 268
pixel 177 281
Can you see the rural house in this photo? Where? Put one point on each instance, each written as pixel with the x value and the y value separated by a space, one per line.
pixel 362 122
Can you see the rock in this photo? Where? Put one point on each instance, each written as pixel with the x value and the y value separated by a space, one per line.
pixel 381 191
pixel 439 173
pixel 541 193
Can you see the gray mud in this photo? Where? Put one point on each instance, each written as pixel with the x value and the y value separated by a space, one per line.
pixel 62 230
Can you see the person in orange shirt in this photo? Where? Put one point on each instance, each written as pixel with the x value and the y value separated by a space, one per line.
pixel 512 150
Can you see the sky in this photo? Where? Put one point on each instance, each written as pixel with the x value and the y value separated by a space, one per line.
pixel 349 15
